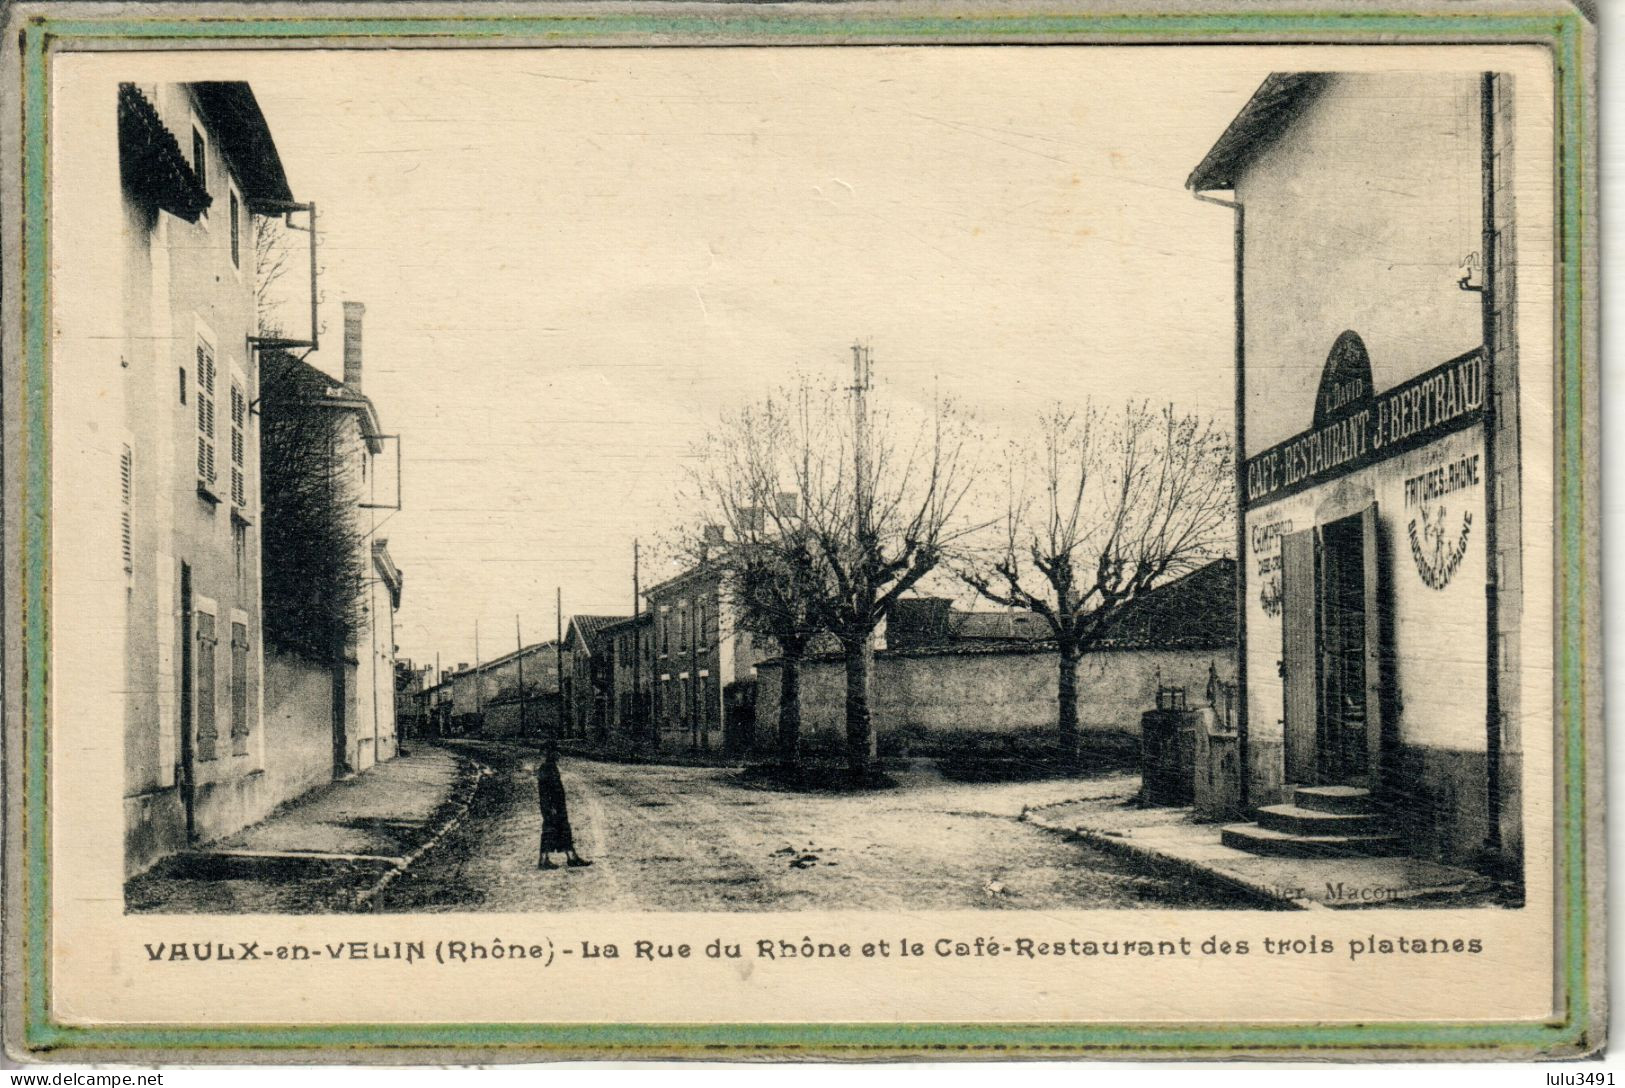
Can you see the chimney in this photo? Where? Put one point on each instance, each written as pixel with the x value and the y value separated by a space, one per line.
pixel 352 344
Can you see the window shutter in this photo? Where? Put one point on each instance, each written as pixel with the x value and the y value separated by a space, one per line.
pixel 239 689
pixel 1300 654
pixel 205 414
pixel 239 417
pixel 207 730
pixel 126 470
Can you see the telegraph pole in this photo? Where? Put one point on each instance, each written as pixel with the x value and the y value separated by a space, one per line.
pixel 558 652
pixel 862 373
pixel 479 696
pixel 861 378
pixel 519 647
pixel 636 709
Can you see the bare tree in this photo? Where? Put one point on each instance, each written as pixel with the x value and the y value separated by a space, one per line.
pixel 276 254
pixel 879 494
pixel 312 566
pixel 1102 507
pixel 753 532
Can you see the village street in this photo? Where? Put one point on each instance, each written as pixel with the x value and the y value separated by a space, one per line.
pixel 696 839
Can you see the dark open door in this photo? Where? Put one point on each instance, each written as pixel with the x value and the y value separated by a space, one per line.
pixel 1300 654
pixel 1377 627
pixel 188 769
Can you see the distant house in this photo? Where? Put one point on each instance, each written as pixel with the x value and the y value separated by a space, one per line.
pixel 945 672
pixel 700 650
pixel 522 693
pixel 589 683
pixel 411 717
pixel 631 649
pixel 514 695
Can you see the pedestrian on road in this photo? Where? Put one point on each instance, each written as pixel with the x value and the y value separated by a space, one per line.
pixel 556 836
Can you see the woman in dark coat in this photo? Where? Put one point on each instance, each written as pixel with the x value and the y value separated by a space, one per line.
pixel 556 836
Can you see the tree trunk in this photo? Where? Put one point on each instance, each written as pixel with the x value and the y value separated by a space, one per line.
pixel 1068 708
pixel 860 732
pixel 790 711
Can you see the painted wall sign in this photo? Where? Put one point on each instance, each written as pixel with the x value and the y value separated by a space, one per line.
pixel 1366 428
pixel 1266 541
pixel 1438 540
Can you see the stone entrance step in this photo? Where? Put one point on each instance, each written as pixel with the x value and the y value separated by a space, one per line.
pixel 1347 800
pixel 1299 820
pixel 1268 842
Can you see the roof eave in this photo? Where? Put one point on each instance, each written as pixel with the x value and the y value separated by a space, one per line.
pixel 246 141
pixel 1278 100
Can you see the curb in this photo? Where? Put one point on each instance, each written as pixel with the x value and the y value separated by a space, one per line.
pixel 1123 847
pixel 363 898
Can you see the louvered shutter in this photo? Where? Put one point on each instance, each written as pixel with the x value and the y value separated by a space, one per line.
pixel 205 414
pixel 207 729
pixel 239 689
pixel 126 473
pixel 239 418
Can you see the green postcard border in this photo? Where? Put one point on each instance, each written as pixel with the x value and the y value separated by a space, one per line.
pixel 1561 31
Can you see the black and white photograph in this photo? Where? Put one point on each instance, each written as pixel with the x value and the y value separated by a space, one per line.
pixel 708 481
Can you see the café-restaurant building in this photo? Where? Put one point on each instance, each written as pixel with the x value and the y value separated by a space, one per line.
pixel 1379 514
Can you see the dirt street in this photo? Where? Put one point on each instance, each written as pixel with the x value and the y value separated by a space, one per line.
pixel 698 839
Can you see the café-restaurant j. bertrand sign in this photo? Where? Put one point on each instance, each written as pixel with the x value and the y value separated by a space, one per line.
pixel 1367 428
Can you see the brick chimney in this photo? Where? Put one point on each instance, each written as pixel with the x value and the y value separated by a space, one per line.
pixel 352 344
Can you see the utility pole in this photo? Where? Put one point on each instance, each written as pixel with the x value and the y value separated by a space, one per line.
pixel 558 652
pixel 861 378
pixel 479 696
pixel 434 717
pixel 863 524
pixel 519 648
pixel 636 708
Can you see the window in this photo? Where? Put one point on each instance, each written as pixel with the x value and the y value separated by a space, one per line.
pixel 239 422
pixel 236 250
pixel 200 162
pixel 207 730
pixel 239 689
pixel 239 545
pixel 183 385
pixel 205 417
pixel 682 628
pixel 126 468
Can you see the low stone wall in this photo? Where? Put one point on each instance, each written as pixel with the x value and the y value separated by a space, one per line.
pixel 298 726
pixel 924 695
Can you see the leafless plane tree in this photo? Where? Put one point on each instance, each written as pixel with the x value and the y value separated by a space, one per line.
pixel 1101 506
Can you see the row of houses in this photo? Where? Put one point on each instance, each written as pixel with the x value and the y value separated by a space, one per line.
pixel 224 718
pixel 687 673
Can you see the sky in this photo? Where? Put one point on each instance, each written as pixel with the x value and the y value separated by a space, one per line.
pixel 573 261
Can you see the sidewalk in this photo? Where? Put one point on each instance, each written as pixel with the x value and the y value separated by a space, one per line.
pixel 1173 837
pixel 331 850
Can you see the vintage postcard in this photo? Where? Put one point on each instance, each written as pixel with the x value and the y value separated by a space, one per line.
pixel 843 530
